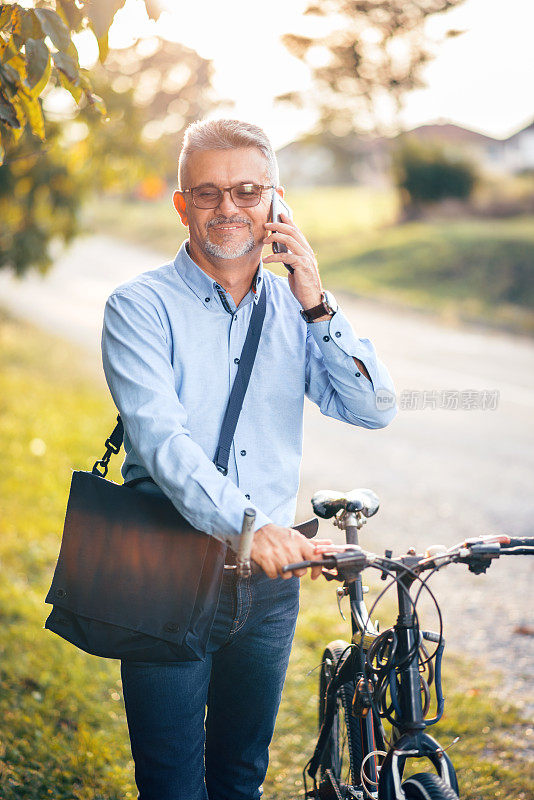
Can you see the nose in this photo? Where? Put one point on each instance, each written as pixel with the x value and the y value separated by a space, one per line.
pixel 227 205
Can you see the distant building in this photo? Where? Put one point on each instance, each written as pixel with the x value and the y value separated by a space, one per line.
pixel 518 150
pixel 326 159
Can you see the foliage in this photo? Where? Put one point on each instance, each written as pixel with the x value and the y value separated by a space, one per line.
pixel 427 172
pixel 152 91
pixel 40 196
pixel 373 54
pixel 36 49
pixel 64 732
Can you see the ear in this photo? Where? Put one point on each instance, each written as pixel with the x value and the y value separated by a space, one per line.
pixel 179 203
pixel 281 191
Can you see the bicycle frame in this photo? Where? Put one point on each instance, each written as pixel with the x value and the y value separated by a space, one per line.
pixel 412 741
pixel 351 522
pixel 410 738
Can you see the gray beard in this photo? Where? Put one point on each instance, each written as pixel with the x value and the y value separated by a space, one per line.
pixel 229 250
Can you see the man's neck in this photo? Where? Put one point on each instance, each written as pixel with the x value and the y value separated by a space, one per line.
pixel 234 275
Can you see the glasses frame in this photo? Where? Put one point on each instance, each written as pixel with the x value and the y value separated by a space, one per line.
pixel 228 189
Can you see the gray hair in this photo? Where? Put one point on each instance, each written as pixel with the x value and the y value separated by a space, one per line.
pixel 225 134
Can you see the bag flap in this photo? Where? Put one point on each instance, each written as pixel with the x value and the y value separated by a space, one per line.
pixel 130 559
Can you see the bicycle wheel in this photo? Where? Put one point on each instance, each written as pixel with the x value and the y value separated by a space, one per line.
pixel 343 752
pixel 427 786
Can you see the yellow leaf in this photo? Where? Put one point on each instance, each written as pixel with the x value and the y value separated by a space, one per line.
pixel 74 90
pixel 8 49
pixel 40 85
pixel 34 115
pixel 103 48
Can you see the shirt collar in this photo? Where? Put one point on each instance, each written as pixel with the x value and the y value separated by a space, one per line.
pixel 206 287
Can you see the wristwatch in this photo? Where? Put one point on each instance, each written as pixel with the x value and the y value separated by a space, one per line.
pixel 328 305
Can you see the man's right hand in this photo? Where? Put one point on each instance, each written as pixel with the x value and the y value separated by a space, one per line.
pixel 274 546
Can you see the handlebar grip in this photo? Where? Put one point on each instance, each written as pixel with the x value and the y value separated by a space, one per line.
pixel 323 562
pixel 523 541
pixel 298 565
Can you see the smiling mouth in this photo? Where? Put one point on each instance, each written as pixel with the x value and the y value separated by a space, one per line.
pixel 228 227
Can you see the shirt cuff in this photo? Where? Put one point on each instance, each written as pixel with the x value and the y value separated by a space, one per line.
pixel 338 331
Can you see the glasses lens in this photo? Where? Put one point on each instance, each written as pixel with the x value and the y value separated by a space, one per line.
pixel 246 194
pixel 206 197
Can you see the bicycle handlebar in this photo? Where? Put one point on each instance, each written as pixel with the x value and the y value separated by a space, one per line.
pixel 476 553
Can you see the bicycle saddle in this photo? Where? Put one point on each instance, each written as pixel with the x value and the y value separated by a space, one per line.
pixel 326 502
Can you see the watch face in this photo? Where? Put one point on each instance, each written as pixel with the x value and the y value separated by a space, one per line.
pixel 330 301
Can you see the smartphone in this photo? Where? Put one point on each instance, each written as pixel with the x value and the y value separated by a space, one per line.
pixel 279 206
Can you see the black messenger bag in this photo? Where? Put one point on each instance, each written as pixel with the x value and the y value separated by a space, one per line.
pixel 134 580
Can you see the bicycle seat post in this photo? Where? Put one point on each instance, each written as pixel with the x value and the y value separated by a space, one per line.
pixel 351 522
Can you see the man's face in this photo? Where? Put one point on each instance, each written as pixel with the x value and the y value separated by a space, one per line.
pixel 227 231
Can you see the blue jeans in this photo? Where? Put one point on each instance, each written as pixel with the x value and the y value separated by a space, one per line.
pixel 180 750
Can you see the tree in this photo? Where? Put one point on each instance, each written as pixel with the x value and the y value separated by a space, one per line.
pixel 36 49
pixel 426 172
pixel 362 67
pixel 51 164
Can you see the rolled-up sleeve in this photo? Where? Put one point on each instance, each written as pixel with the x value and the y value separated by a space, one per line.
pixel 137 364
pixel 335 383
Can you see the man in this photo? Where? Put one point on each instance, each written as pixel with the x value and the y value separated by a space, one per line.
pixel 171 344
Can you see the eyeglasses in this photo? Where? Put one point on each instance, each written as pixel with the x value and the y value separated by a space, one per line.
pixel 244 195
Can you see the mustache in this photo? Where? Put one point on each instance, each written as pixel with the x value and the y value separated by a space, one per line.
pixel 236 220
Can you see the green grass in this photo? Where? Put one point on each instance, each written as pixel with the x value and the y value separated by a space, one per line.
pixel 472 269
pixel 63 732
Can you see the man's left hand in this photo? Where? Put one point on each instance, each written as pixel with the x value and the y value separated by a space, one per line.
pixel 304 282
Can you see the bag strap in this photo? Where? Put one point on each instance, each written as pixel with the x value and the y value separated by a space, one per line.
pixel 239 388
pixel 235 401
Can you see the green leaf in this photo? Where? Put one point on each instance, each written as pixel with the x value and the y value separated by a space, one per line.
pixel 101 13
pixel 8 114
pixel 53 26
pixel 103 48
pixel 37 57
pixel 34 115
pixel 67 65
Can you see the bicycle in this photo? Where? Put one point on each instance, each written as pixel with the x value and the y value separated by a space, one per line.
pixel 385 675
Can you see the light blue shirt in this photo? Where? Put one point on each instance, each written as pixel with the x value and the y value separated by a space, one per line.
pixel 170 344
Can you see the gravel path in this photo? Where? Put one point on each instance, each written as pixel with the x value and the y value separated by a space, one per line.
pixel 441 474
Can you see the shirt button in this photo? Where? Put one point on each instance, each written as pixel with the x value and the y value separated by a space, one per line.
pixel 236 361
pixel 247 496
pixel 326 338
pixel 358 374
pixel 338 334
pixel 207 299
pixel 235 317
pixel 243 452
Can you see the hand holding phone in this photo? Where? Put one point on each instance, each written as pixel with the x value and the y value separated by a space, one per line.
pixel 279 206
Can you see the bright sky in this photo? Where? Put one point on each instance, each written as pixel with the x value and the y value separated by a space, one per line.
pixel 481 80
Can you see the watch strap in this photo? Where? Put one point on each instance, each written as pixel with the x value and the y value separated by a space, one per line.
pixel 311 314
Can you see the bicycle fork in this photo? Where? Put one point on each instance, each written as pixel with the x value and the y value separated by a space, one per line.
pixel 412 741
